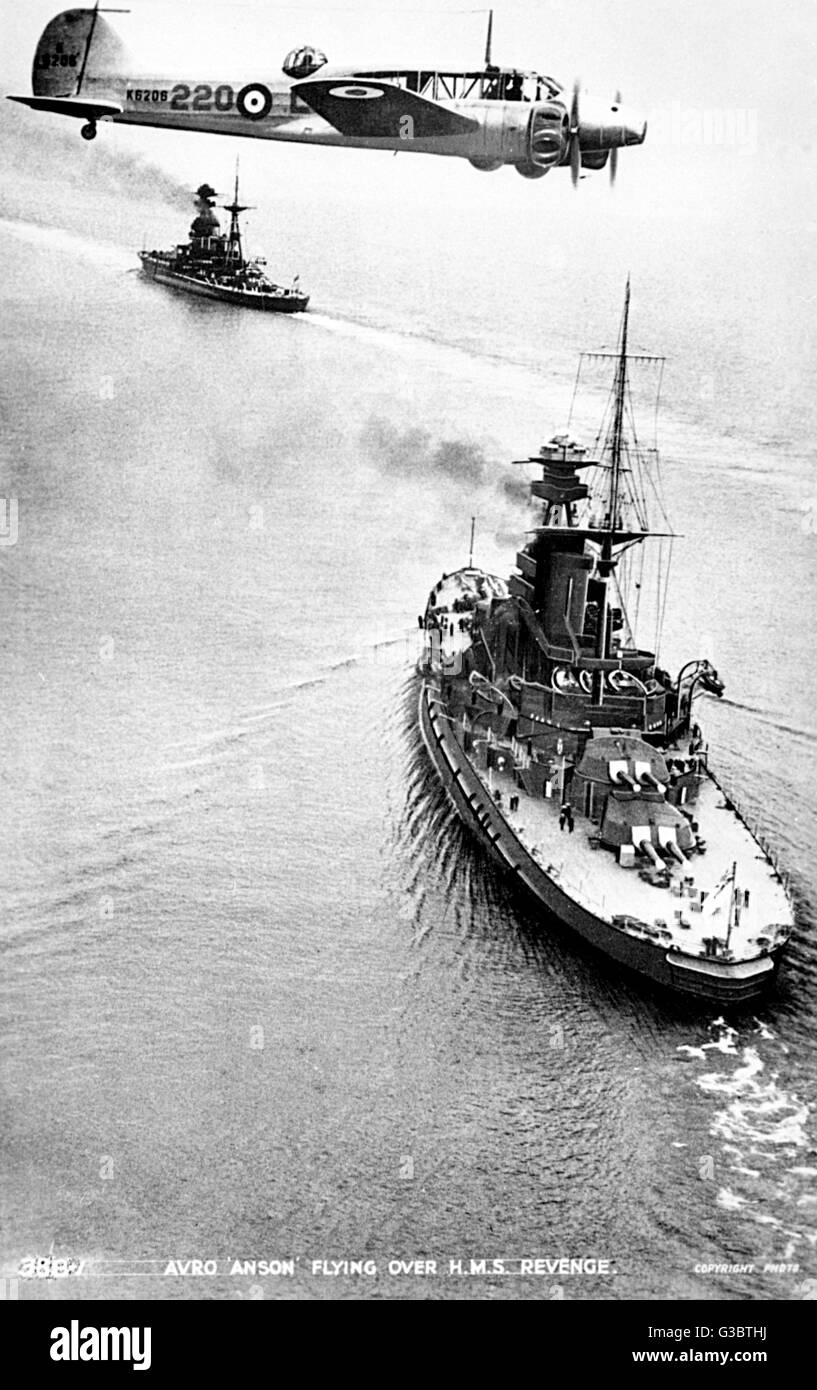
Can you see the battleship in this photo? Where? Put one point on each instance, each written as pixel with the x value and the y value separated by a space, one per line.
pixel 572 756
pixel 213 265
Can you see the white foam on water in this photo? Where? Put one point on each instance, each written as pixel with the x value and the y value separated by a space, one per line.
pixel 758 1111
pixel 724 1041
pixel 734 1084
pixel 764 1031
pixel 730 1201
pixel 770 1115
pixel 759 1123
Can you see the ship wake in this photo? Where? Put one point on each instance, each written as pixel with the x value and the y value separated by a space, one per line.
pixel 765 1170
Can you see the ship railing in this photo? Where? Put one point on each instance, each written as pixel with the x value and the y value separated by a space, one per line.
pixel 753 825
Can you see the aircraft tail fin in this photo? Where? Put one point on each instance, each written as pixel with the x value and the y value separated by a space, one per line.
pixel 74 47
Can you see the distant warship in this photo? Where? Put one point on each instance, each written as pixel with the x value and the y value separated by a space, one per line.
pixel 213 265
pixel 575 759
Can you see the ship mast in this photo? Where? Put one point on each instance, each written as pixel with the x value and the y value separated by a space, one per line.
pixel 235 209
pixel 607 562
pixel 618 427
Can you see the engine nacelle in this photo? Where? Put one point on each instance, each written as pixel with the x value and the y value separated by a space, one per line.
pixel 532 138
pixel 548 138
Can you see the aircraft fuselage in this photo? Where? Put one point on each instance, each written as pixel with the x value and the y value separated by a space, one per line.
pixel 492 116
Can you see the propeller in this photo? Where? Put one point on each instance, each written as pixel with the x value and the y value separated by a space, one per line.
pixel 614 150
pixel 575 151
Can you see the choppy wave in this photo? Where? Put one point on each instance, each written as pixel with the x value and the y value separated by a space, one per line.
pixel 764 1128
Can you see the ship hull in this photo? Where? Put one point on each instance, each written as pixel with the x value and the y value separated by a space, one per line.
pixel 716 981
pixel 245 299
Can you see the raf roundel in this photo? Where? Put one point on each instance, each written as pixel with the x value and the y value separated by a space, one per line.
pixel 357 93
pixel 254 101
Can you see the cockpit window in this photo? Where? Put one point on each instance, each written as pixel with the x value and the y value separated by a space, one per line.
pixel 508 86
pixel 494 84
pixel 514 87
pixel 491 84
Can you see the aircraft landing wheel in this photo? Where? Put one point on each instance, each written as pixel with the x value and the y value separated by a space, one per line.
pixel 88 132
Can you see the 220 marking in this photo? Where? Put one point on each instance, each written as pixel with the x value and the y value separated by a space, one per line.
pixel 204 98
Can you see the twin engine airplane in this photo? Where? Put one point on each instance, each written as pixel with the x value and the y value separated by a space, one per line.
pixel 490 117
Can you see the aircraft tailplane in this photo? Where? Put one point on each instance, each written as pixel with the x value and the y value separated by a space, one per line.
pixel 74 47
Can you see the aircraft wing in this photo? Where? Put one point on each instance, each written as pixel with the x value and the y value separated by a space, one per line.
pixel 370 108
pixel 72 106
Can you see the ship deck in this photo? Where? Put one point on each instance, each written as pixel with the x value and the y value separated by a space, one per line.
pixel 675 916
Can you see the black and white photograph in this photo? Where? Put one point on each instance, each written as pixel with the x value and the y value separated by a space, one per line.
pixel 408 550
